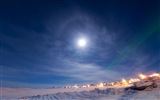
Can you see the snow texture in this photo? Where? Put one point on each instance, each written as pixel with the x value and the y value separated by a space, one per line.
pixel 143 90
pixel 97 94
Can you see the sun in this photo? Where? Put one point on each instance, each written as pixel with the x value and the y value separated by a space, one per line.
pixel 82 42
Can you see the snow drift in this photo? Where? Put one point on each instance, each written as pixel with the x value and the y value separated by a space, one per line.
pixel 145 89
pixel 97 94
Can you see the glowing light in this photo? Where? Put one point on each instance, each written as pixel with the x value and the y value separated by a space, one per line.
pixel 124 82
pixel 84 86
pixel 133 80
pixel 82 42
pixel 142 76
pixel 130 81
pixel 155 74
pixel 100 85
pixel 112 83
pixel 75 86
pixel 137 80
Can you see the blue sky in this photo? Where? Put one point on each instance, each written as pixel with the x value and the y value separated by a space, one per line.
pixel 38 41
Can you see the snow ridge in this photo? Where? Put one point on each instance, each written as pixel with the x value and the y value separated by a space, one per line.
pixel 97 94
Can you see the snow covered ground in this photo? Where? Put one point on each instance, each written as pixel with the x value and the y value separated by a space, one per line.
pixel 111 93
pixel 97 94
pixel 142 90
pixel 13 93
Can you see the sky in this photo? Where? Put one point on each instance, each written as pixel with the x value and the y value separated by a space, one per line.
pixel 39 41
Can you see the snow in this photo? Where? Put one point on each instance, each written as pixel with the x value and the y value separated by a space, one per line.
pixel 97 94
pixel 20 92
pixel 127 92
pixel 13 93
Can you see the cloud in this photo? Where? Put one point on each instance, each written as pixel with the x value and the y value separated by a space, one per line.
pixel 85 72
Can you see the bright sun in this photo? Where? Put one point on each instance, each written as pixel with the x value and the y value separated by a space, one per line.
pixel 82 42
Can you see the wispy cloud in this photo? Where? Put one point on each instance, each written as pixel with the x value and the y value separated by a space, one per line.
pixel 85 72
pixel 52 53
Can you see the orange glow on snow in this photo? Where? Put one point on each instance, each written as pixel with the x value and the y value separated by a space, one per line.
pixel 100 85
pixel 155 74
pixel 142 76
pixel 124 82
